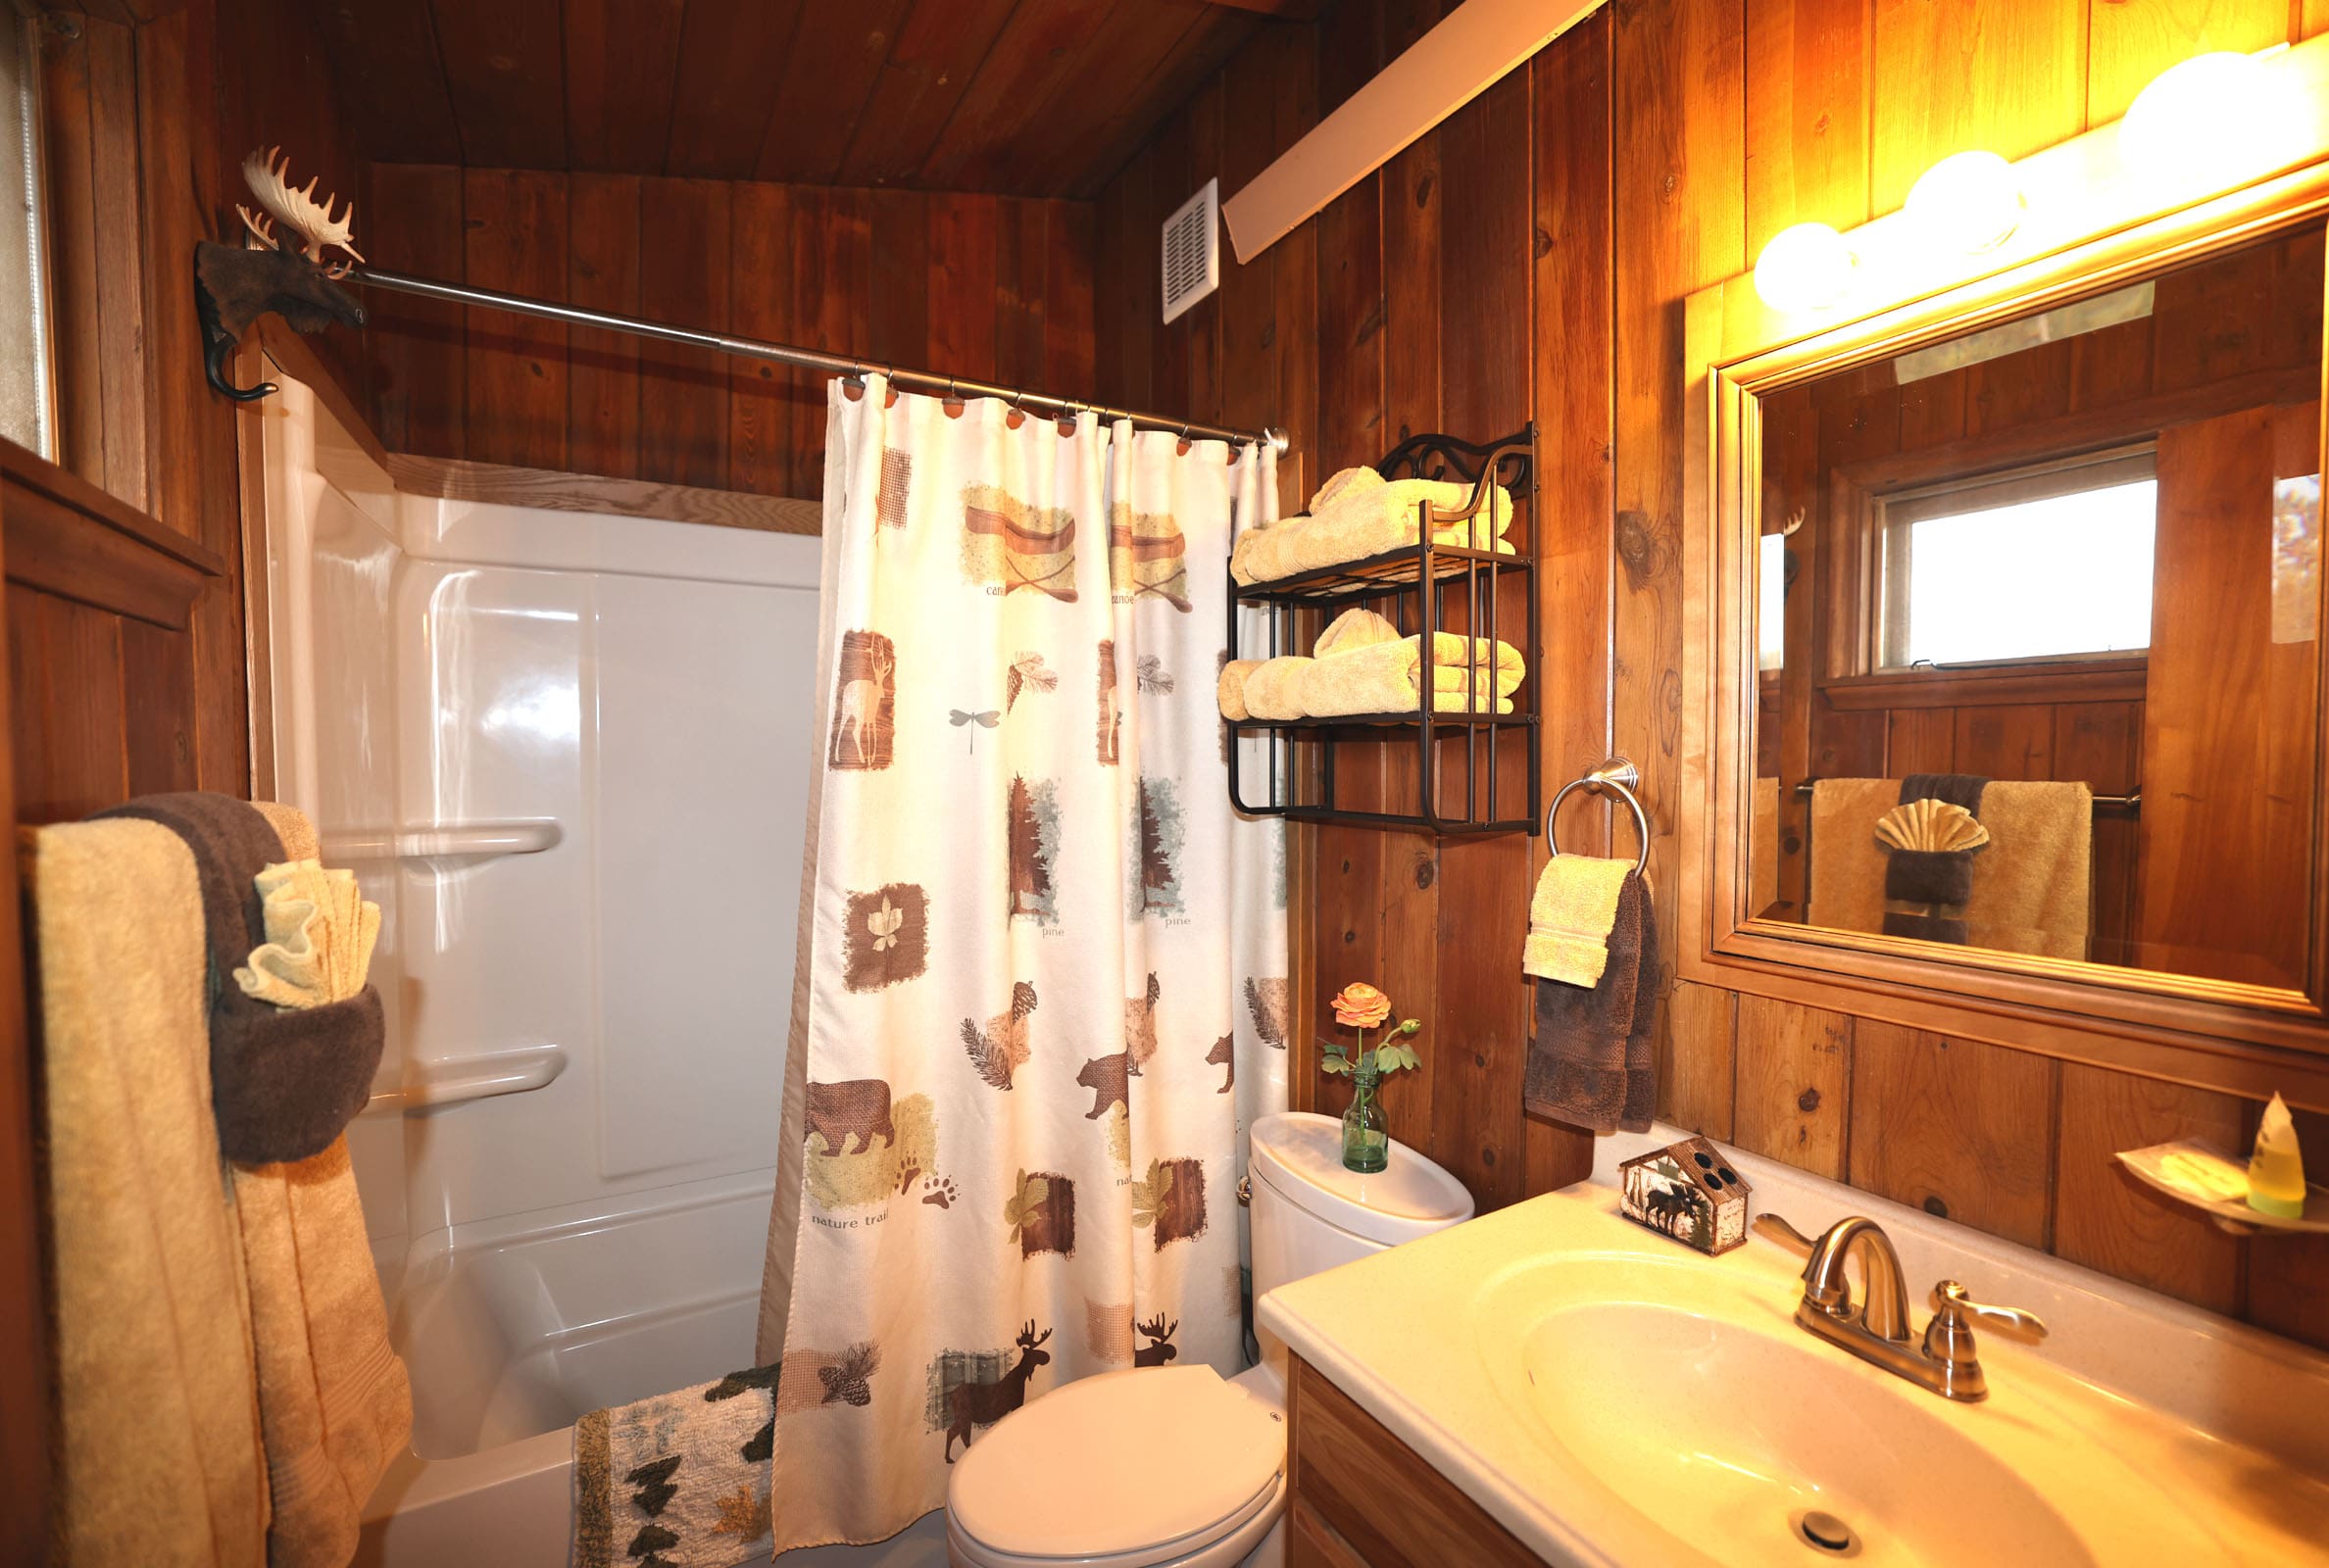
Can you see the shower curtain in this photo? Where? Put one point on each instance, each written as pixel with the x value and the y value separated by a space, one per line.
pixel 1042 982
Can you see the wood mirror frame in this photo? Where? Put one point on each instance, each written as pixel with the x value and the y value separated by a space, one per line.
pixel 2245 1039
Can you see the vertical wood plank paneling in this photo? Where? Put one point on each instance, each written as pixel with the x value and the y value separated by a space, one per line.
pixel 1793 1099
pixel 2004 75
pixel 1954 1127
pixel 1806 116
pixel 2131 41
pixel 621 77
pixel 962 285
pixel 1070 344
pixel 1695 1070
pixel 157 710
pixel 515 367
pixel 603 368
pixel 2105 1219
pixel 1020 251
pixel 899 236
pixel 684 276
pixel 2288 1278
pixel 1295 281
pixel 763 397
pixel 831 279
pixel 1228 122
pixel 417 348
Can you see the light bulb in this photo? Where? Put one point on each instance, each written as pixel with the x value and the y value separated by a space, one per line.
pixel 1806 267
pixel 2208 121
pixel 1968 201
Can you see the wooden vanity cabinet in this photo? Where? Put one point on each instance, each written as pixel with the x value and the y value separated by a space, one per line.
pixel 1361 1499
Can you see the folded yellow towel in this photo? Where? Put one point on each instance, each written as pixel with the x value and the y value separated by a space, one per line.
pixel 1353 519
pixel 321 931
pixel 1270 691
pixel 1352 630
pixel 1570 918
pixel 1387 678
pixel 1229 691
pixel 1363 488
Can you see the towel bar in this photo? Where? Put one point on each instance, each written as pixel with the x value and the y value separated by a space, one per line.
pixel 1618 776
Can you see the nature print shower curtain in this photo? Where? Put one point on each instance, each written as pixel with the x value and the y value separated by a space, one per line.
pixel 1046 963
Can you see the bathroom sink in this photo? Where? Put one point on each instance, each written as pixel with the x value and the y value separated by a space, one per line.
pixel 1611 1397
pixel 1750 1445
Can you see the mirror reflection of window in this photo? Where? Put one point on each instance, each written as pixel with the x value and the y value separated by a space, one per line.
pixel 1770 620
pixel 2050 563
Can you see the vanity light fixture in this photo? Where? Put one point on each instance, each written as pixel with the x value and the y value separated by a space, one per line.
pixel 1969 201
pixel 1806 267
pixel 2207 120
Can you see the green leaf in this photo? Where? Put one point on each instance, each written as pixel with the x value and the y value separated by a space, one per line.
pixel 1340 1064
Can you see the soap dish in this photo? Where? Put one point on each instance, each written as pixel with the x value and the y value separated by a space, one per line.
pixel 2233 1214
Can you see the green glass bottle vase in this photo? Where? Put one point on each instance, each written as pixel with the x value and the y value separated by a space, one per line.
pixel 1367 1137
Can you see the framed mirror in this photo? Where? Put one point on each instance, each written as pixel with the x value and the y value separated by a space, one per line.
pixel 2006 681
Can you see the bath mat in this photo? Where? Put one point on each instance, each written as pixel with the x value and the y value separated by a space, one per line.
pixel 678 1480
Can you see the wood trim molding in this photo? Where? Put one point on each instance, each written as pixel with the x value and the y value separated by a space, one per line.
pixel 457 479
pixel 2242 1039
pixel 66 537
pixel 2098 680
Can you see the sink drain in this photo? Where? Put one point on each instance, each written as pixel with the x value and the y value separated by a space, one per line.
pixel 1825 1532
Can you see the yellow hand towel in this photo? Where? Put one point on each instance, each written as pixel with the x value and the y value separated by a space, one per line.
pixel 1352 630
pixel 1570 917
pixel 1271 691
pixel 1387 678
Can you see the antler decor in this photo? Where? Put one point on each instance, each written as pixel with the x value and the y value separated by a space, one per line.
pixel 233 286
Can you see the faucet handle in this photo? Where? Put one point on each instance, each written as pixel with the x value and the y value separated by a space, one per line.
pixel 1951 1301
pixel 1771 1226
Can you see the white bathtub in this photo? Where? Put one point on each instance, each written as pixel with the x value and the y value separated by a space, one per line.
pixel 569 755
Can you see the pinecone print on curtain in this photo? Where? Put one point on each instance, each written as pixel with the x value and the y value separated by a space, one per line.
pixel 1156 837
pixel 888 938
pixel 1040 1214
pixel 1028 673
pixel 1001 1046
pixel 1147 558
pixel 1169 1201
pixel 1033 839
pixel 863 1149
pixel 1112 715
pixel 865 703
pixel 815 1378
pixel 970 1390
pixel 1009 545
pixel 896 482
pixel 1265 1002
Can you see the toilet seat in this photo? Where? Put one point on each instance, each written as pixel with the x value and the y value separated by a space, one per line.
pixel 1124 1470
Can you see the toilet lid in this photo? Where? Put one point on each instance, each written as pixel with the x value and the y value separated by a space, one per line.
pixel 1158 1457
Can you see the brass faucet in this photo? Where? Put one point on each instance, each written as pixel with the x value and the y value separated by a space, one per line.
pixel 1876 1329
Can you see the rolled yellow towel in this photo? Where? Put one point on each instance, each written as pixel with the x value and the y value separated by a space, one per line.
pixel 1270 691
pixel 1230 690
pixel 1352 630
pixel 1387 678
pixel 1570 918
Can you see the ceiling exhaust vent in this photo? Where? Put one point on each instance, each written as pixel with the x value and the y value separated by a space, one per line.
pixel 1193 249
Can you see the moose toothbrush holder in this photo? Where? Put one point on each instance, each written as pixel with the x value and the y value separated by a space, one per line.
pixel 1689 1192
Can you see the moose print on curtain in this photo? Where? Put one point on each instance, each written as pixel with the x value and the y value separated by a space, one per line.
pixel 1046 963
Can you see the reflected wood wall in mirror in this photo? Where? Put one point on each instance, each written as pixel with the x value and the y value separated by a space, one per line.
pixel 2059 577
pixel 2003 710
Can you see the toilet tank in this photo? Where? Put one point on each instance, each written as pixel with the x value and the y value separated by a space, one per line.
pixel 1309 1213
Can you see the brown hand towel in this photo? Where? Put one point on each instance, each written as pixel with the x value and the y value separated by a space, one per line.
pixel 283 1083
pixel 1591 1063
pixel 1926 891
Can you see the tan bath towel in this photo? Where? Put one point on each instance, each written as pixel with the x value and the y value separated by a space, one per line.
pixel 1352 630
pixel 158 1458
pixel 1270 689
pixel 1351 518
pixel 1387 677
pixel 334 1402
pixel 2031 887
pixel 1569 916
pixel 1762 849
pixel 1230 690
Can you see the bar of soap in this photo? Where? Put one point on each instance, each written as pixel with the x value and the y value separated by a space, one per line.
pixel 2277 1171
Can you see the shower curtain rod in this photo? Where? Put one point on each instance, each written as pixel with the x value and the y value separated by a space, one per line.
pixel 807 359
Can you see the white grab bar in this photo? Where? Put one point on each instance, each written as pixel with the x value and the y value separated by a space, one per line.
pixel 481 1077
pixel 450 841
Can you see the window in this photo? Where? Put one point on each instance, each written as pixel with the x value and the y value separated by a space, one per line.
pixel 2047 563
pixel 1770 618
pixel 24 315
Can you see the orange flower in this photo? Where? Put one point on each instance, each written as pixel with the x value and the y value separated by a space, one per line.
pixel 1361 1006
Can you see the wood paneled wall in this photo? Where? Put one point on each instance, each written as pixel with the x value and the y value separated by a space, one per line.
pixel 1531 257
pixel 986 287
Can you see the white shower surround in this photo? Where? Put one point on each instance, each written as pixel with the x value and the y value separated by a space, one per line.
pixel 567 753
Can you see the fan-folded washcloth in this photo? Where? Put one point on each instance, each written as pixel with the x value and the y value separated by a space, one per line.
pixel 1570 918
pixel 1592 1064
pixel 1387 677
pixel 321 931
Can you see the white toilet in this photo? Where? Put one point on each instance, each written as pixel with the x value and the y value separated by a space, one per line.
pixel 1173 1467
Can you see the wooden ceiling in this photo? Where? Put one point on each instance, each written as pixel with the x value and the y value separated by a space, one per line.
pixel 1018 97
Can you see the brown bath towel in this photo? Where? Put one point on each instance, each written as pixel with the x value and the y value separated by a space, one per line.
pixel 1591 1064
pixel 283 1083
pixel 1926 891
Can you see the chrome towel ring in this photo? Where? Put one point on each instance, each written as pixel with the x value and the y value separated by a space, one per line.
pixel 1616 777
